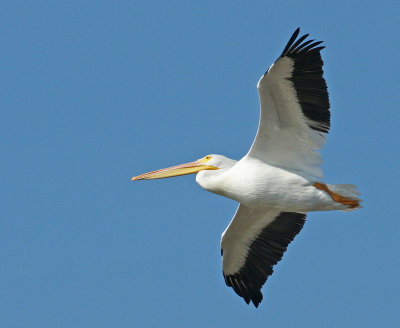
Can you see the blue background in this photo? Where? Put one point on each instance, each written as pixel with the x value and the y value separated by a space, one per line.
pixel 95 92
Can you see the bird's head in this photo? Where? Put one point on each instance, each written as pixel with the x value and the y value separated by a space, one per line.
pixel 209 162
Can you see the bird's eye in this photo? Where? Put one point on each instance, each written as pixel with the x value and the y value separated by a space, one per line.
pixel 208 157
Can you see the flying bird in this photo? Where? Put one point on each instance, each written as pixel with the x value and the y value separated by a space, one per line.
pixel 279 180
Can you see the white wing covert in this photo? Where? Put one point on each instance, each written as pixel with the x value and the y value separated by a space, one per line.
pixel 295 115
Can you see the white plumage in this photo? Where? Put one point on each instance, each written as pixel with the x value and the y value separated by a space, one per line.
pixel 278 181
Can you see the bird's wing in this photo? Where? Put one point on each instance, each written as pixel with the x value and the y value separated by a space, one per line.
pixel 252 244
pixel 295 113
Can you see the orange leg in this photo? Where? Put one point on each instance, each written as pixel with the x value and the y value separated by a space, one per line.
pixel 353 203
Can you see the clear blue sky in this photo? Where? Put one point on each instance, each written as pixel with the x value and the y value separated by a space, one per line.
pixel 95 92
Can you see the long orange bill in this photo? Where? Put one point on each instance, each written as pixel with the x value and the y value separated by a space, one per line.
pixel 173 171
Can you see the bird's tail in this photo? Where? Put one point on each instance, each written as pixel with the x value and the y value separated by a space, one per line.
pixel 346 194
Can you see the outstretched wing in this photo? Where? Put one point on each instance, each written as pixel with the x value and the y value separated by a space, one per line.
pixel 295 113
pixel 252 244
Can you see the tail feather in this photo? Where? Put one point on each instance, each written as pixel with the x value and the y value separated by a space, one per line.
pixel 347 191
pixel 345 194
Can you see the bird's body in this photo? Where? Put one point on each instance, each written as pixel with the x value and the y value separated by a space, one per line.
pixel 279 180
pixel 255 184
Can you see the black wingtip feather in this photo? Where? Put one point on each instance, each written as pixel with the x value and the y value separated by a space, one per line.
pixel 300 40
pixel 291 40
pixel 294 46
pixel 310 47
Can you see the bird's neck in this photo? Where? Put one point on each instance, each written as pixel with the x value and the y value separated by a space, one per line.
pixel 211 180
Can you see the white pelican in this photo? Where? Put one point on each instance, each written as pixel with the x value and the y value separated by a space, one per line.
pixel 279 179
